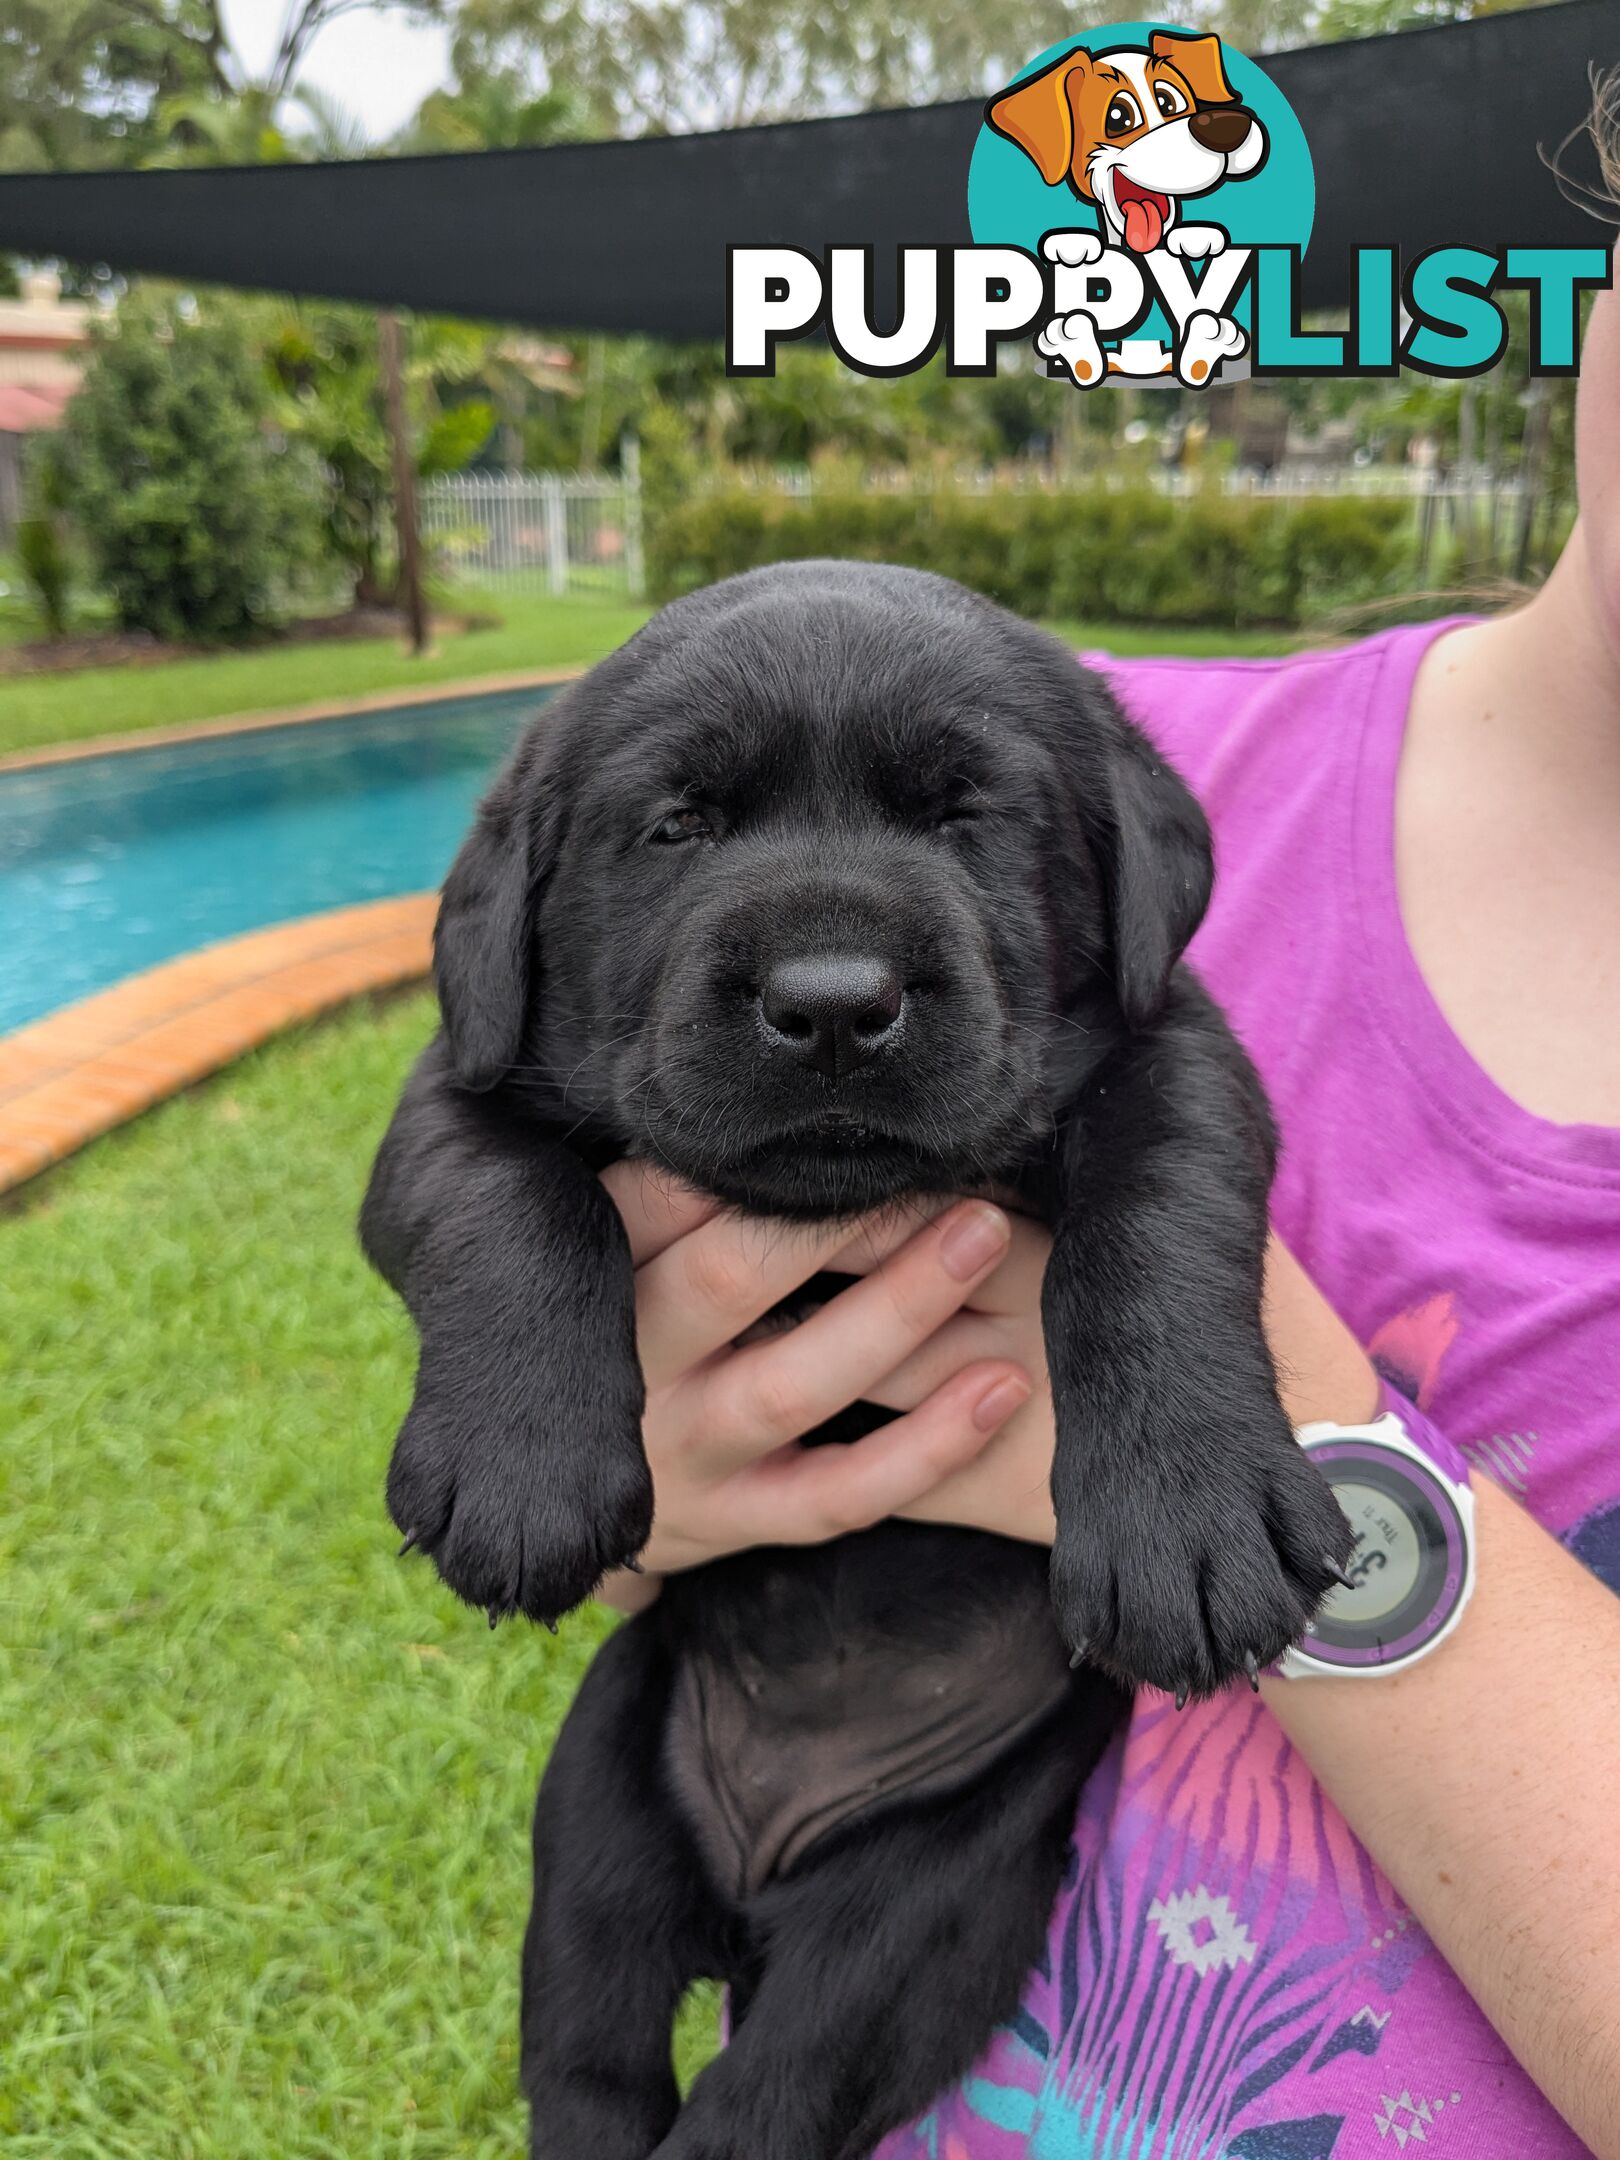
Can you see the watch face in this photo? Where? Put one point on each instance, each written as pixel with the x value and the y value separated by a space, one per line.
pixel 1410 1562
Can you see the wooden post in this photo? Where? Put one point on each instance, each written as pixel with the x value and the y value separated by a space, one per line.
pixel 389 342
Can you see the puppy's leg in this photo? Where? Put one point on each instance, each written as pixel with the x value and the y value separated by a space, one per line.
pixel 520 1466
pixel 1195 1539
pixel 890 1958
pixel 622 1919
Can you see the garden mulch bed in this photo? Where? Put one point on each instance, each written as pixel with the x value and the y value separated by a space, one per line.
pixel 134 648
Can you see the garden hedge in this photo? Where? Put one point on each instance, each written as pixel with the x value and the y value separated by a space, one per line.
pixel 1098 555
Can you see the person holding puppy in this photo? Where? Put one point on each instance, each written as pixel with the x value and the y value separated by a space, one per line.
pixel 1416 930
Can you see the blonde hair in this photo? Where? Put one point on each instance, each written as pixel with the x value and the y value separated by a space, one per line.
pixel 1603 125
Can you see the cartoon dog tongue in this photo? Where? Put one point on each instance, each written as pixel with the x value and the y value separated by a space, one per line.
pixel 1144 223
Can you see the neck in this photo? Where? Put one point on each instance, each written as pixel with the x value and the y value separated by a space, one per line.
pixel 1549 673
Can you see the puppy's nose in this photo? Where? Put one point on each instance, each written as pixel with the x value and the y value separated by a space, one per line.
pixel 832 1011
pixel 1221 130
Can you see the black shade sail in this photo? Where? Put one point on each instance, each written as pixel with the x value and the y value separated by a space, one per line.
pixel 1428 138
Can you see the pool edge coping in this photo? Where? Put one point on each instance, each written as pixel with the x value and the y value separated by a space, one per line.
pixel 77 1073
pixel 252 723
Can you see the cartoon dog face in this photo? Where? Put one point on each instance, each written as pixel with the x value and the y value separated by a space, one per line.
pixel 1134 131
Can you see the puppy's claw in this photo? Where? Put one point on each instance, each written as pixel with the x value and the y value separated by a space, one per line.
pixel 633 1567
pixel 1183 1691
pixel 1077 1656
pixel 410 1541
pixel 1252 1668
pixel 1340 1575
pixel 551 1627
pixel 494 1618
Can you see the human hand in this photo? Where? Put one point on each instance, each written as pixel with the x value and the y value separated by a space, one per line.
pixel 724 1420
pixel 720 1494
pixel 1322 1372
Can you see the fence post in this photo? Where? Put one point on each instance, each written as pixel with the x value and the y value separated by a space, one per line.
pixel 556 535
pixel 635 568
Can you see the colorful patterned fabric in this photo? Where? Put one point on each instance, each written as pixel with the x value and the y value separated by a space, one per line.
pixel 1228 1975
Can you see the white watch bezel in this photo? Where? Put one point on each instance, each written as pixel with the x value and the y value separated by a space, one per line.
pixel 1386 1432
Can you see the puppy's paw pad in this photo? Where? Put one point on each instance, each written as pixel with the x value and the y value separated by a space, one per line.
pixel 1072 340
pixel 1209 340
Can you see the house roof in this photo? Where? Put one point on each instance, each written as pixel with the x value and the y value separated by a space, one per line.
pixel 26 407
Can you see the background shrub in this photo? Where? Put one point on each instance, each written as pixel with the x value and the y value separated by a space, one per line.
pixel 45 566
pixel 198 517
pixel 1128 556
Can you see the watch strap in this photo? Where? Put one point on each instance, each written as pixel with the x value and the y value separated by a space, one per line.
pixel 1424 1435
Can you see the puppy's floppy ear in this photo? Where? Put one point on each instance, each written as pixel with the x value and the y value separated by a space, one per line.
pixel 1152 842
pixel 483 938
pixel 1196 55
pixel 1038 117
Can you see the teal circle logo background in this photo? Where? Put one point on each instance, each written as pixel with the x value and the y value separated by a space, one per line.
pixel 1010 205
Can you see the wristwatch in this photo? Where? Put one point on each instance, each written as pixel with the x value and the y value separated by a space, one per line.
pixel 1404 1490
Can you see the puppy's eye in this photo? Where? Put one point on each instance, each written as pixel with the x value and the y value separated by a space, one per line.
pixel 1170 100
pixel 1122 115
pixel 959 806
pixel 690 822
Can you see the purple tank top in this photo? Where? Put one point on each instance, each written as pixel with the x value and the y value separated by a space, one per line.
pixel 1228 1975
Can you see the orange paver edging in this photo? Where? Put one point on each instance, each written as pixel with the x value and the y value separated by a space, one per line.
pixel 250 723
pixel 75 1074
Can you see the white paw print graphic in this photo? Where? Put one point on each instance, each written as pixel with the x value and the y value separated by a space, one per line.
pixel 1201 1930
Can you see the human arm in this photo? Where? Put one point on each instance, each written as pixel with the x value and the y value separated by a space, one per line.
pixel 1483 1780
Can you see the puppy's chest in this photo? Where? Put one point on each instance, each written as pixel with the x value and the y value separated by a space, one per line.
pixel 766 1757
pixel 815 1687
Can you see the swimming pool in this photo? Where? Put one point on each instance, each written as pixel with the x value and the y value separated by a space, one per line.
pixel 111 864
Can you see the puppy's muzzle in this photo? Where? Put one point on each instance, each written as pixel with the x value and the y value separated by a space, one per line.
pixel 832 1011
pixel 1222 129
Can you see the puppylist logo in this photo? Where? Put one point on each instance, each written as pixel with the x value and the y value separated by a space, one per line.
pixel 1141 198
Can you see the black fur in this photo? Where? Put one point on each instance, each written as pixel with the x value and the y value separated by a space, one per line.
pixel 831 758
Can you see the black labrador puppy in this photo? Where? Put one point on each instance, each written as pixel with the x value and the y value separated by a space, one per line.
pixel 834 887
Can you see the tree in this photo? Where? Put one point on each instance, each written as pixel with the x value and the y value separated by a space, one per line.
pixel 80 80
pixel 117 82
pixel 323 359
pixel 198 520
pixel 500 111
pixel 661 66
pixel 670 66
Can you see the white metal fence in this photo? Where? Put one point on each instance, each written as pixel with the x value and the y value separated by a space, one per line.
pixel 582 532
pixel 551 532
pixel 1296 479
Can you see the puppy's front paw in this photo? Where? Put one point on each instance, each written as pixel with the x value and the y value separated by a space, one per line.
pixel 1193 1555
pixel 1074 250
pixel 526 1508
pixel 1073 341
pixel 1194 242
pixel 1209 339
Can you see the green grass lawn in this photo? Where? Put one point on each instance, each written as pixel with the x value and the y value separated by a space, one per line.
pixel 264 1788
pixel 1131 641
pixel 535 632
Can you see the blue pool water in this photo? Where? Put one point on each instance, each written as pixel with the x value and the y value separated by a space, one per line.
pixel 111 864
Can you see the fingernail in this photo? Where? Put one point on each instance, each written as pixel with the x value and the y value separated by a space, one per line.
pixel 976 1236
pixel 998 1403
